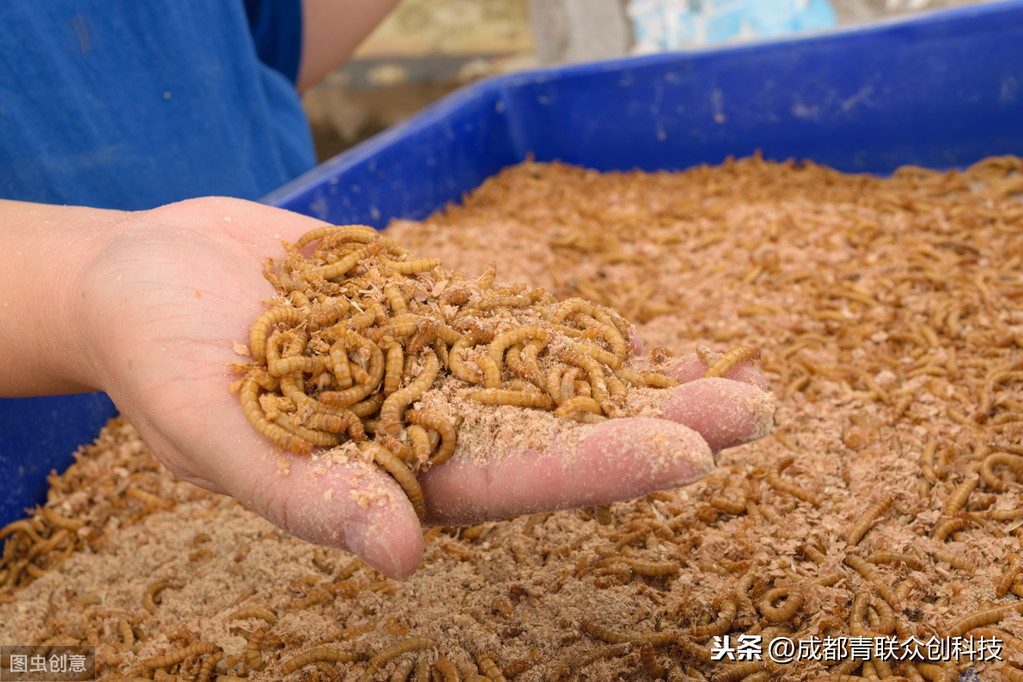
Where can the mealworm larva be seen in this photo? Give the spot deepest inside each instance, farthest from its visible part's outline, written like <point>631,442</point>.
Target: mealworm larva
<point>340,233</point>
<point>720,625</point>
<point>149,598</point>
<point>59,521</point>
<point>574,407</point>
<point>729,360</point>
<point>148,498</point>
<point>652,568</point>
<point>254,611</point>
<point>611,637</point>
<point>775,480</point>
<point>258,332</point>
<point>320,653</point>
<point>734,673</point>
<point>178,655</point>
<point>980,618</point>
<point>402,647</point>
<point>393,365</point>
<point>127,636</point>
<point>440,424</point>
<point>948,527</point>
<point>420,441</point>
<point>706,355</point>
<point>867,571</point>
<point>323,439</point>
<point>208,664</point>
<point>1013,462</point>
<point>502,396</point>
<point>892,557</point>
<point>793,599</point>
<point>501,342</point>
<point>694,650</point>
<point>447,669</point>
<point>1009,577</point>
<point>959,496</point>
<point>954,560</point>
<point>338,358</point>
<point>278,436</point>
<point>412,267</point>
<point>456,362</point>
<point>648,660</point>
<point>400,471</point>
<point>395,404</point>
<point>486,663</point>
<point>403,670</point>
<point>862,525</point>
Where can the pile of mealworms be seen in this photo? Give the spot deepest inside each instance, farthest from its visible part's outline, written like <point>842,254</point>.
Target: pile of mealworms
<point>889,317</point>
<point>363,328</point>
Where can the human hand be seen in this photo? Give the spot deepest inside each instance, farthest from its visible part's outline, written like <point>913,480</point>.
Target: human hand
<point>175,289</point>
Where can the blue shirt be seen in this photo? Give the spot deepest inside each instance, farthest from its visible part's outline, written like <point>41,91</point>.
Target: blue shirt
<point>131,104</point>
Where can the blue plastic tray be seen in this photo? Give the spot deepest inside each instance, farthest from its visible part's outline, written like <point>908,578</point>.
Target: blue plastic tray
<point>943,90</point>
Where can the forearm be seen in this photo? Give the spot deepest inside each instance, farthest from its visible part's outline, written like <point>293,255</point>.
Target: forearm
<point>43,249</point>
<point>332,29</point>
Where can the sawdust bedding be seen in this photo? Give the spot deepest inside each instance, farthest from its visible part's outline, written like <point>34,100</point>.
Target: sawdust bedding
<point>888,501</point>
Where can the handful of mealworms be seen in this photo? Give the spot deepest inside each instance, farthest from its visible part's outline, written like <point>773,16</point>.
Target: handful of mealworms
<point>363,328</point>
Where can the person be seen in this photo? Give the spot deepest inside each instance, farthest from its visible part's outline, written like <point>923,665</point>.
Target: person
<point>121,275</point>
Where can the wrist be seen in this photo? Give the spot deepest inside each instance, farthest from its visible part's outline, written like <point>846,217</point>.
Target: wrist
<point>44,336</point>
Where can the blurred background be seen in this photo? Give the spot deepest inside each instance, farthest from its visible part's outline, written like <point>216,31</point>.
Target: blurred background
<point>427,48</point>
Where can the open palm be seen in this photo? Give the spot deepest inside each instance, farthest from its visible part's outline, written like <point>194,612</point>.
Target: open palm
<point>166,303</point>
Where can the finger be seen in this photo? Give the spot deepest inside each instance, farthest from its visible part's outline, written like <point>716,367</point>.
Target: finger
<point>725,412</point>
<point>690,368</point>
<point>598,464</point>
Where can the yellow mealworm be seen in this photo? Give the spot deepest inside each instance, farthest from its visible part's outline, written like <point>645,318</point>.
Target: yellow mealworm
<point>127,636</point>
<point>394,298</point>
<point>1013,462</point>
<point>501,342</point>
<point>341,233</point>
<point>61,521</point>
<point>958,498</point>
<point>338,357</point>
<point>652,568</point>
<point>393,365</point>
<point>440,424</point>
<point>516,667</point>
<point>320,653</point>
<point>277,435</point>
<point>595,374</point>
<point>597,353</point>
<point>253,611</point>
<point>208,664</point>
<point>402,647</point>
<point>1008,577</point>
<point>456,362</point>
<point>948,527</point>
<point>738,671</point>
<point>420,441</point>
<point>148,498</point>
<point>412,267</point>
<point>720,625</point>
<point>954,560</point>
<point>706,355</point>
<point>730,360</point>
<point>395,404</point>
<point>611,637</point>
<point>793,599</point>
<point>577,405</point>
<point>323,439</point>
<point>178,655</point>
<point>258,333</point>
<point>501,396</point>
<point>491,372</point>
<point>861,526</point>
<point>776,481</point>
<point>867,571</point>
<point>489,668</point>
<point>892,557</point>
<point>648,660</point>
<point>149,598</point>
<point>400,471</point>
<point>980,618</point>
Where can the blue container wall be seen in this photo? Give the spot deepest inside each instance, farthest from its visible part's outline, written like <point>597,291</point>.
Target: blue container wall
<point>940,91</point>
